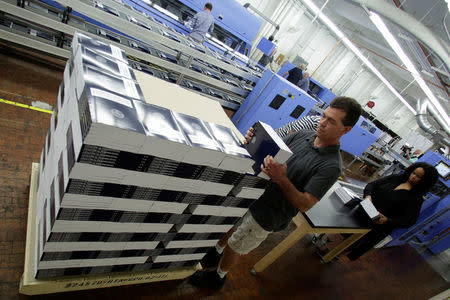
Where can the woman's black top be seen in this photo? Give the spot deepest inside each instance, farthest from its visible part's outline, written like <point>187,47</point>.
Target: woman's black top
<point>401,207</point>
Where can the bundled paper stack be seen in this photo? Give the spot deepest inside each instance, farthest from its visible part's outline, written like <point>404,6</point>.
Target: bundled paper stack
<point>128,186</point>
<point>370,210</point>
<point>346,195</point>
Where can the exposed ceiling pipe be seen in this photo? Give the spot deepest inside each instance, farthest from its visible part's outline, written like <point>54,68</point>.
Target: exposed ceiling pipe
<point>438,119</point>
<point>420,31</point>
<point>423,108</point>
<point>395,64</point>
<point>424,50</point>
<point>277,26</point>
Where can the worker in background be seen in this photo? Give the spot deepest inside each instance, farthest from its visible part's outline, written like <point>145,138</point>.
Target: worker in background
<point>304,82</point>
<point>201,24</point>
<point>295,74</point>
<point>414,156</point>
<point>295,186</point>
<point>268,59</point>
<point>398,198</point>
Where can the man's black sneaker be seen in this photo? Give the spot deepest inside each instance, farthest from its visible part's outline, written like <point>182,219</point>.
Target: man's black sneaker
<point>207,279</point>
<point>211,259</point>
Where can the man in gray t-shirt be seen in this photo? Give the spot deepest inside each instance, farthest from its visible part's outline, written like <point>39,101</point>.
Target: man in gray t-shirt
<point>201,24</point>
<point>310,169</point>
<point>295,187</point>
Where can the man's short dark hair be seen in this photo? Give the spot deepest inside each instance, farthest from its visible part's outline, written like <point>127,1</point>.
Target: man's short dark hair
<point>208,6</point>
<point>271,38</point>
<point>351,107</point>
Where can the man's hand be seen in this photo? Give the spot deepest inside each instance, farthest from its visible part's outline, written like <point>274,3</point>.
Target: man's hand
<point>276,171</point>
<point>249,135</point>
<point>381,220</point>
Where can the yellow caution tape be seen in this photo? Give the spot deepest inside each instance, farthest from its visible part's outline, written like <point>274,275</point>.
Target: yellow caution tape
<point>25,106</point>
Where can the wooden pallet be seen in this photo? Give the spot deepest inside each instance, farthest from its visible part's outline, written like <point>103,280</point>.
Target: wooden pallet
<point>32,286</point>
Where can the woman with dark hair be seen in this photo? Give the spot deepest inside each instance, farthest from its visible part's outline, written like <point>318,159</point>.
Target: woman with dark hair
<point>398,198</point>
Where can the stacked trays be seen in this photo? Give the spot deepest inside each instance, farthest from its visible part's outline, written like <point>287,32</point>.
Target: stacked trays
<point>128,186</point>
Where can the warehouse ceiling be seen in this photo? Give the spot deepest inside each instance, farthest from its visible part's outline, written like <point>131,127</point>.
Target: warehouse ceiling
<point>353,20</point>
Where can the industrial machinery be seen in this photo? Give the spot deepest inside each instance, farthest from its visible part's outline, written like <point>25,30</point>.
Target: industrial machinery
<point>266,46</point>
<point>235,27</point>
<point>150,44</point>
<point>431,230</point>
<point>274,101</point>
<point>316,90</point>
<point>359,139</point>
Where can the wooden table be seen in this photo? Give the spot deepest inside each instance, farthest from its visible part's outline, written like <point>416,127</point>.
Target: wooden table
<point>329,215</point>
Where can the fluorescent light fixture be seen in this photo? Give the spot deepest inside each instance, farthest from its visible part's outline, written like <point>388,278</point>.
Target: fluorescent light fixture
<point>356,51</point>
<point>166,12</point>
<point>376,19</point>
<point>377,73</point>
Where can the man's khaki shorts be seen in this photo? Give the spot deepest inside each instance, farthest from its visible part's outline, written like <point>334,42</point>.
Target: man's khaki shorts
<point>247,236</point>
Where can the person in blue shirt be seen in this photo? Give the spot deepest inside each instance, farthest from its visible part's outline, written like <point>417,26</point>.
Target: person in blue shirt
<point>304,82</point>
<point>201,24</point>
<point>295,74</point>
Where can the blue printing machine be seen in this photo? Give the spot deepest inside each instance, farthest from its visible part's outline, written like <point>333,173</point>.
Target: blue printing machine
<point>274,101</point>
<point>363,134</point>
<point>236,20</point>
<point>431,228</point>
<point>359,139</point>
<point>241,25</point>
<point>316,89</point>
<point>265,46</point>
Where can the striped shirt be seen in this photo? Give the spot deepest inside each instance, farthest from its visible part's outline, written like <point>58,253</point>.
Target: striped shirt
<point>308,122</point>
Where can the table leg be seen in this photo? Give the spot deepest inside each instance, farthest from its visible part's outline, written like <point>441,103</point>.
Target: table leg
<point>341,247</point>
<point>282,247</point>
<point>348,166</point>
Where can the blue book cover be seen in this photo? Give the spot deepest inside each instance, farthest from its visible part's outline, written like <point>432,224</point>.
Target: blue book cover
<point>265,142</point>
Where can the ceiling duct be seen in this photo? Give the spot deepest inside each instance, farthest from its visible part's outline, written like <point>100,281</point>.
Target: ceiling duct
<point>420,31</point>
<point>425,108</point>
